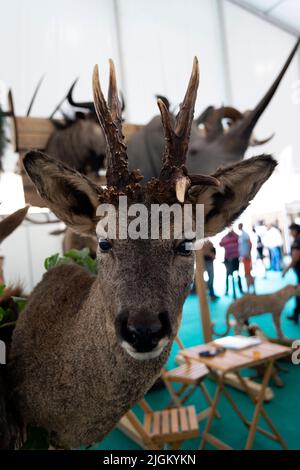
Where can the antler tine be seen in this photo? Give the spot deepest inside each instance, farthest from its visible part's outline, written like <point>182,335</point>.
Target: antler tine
<point>109,116</point>
<point>185,116</point>
<point>166,122</point>
<point>113,99</point>
<point>177,134</point>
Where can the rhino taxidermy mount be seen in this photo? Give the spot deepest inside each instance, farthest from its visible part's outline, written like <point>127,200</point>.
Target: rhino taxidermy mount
<point>206,153</point>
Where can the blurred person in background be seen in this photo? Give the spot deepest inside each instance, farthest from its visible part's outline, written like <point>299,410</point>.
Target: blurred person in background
<point>230,243</point>
<point>274,242</point>
<point>260,265</point>
<point>209,253</point>
<point>295,264</point>
<point>245,246</point>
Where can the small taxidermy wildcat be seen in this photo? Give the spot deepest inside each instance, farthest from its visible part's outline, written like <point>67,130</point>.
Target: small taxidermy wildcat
<point>252,304</point>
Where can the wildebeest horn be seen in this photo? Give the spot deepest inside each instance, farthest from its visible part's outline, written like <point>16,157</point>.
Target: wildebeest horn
<point>109,115</point>
<point>82,104</point>
<point>58,106</point>
<point>237,139</point>
<point>36,90</point>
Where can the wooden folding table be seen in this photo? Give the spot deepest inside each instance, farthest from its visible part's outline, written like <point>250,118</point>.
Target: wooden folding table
<point>233,361</point>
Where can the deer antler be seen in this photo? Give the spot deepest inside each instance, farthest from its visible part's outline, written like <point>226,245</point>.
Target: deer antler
<point>177,134</point>
<point>109,115</point>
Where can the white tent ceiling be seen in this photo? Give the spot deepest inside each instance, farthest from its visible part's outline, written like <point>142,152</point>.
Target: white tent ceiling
<point>286,12</point>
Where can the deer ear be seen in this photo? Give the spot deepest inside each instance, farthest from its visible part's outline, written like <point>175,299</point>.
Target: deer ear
<point>71,196</point>
<point>239,183</point>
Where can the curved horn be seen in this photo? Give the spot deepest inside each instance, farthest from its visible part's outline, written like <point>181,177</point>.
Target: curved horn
<point>214,126</point>
<point>122,99</point>
<point>254,142</point>
<point>165,100</point>
<point>202,118</point>
<point>34,95</point>
<point>229,112</point>
<point>237,139</point>
<point>57,107</point>
<point>84,104</point>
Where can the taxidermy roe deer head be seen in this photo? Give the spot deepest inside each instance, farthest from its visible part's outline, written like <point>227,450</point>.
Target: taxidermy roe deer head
<point>87,348</point>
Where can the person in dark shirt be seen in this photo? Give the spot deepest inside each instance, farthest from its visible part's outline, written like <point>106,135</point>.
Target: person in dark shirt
<point>295,264</point>
<point>209,253</point>
<point>230,243</point>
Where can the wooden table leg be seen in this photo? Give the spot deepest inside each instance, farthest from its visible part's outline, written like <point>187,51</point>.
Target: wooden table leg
<point>274,430</point>
<point>208,398</point>
<point>276,434</point>
<point>258,407</point>
<point>220,382</point>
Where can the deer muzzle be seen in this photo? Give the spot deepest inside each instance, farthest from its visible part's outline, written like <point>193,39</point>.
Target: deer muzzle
<point>142,334</point>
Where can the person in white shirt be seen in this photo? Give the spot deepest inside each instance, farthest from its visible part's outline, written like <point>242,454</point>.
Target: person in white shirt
<point>274,242</point>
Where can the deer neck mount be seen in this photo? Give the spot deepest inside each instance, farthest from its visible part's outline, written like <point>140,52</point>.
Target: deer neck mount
<point>87,348</point>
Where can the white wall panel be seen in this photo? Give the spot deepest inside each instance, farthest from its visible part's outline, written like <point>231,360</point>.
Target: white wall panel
<point>61,38</point>
<point>25,251</point>
<point>158,40</point>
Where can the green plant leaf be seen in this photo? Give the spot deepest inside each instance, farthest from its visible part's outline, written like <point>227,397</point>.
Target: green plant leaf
<point>21,302</point>
<point>81,257</point>
<point>55,260</point>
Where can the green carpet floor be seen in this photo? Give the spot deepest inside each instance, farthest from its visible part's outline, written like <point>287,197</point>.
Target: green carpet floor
<point>284,409</point>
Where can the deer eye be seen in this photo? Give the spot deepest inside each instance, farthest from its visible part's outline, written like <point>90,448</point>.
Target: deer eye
<point>105,245</point>
<point>184,248</point>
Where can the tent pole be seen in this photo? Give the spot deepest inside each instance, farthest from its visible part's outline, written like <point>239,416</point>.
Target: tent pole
<point>201,292</point>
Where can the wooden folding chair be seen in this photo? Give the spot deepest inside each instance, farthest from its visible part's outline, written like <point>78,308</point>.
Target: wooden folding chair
<point>169,427</point>
<point>191,376</point>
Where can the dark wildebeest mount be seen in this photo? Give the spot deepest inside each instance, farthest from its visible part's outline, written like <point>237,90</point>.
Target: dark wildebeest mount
<point>209,149</point>
<point>78,141</point>
<point>87,348</point>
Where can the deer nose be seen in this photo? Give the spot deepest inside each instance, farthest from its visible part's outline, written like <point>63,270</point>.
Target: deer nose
<point>142,332</point>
